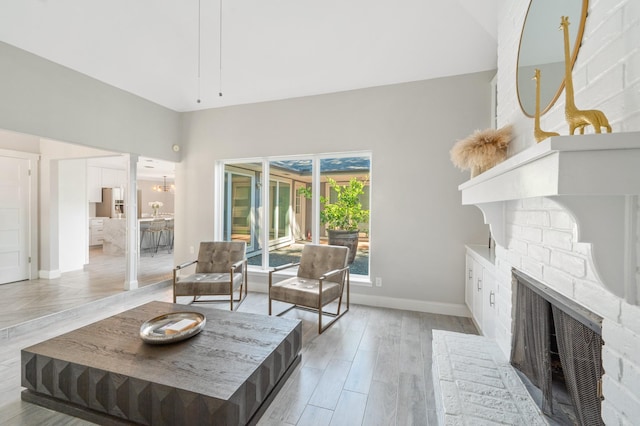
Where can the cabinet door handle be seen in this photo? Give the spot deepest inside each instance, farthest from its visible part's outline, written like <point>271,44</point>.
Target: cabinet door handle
<point>479,284</point>
<point>492,298</point>
<point>470,273</point>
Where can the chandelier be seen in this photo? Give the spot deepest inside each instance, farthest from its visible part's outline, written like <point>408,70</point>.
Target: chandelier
<point>164,187</point>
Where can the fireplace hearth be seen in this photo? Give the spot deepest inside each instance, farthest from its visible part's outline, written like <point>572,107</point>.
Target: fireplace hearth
<point>557,345</point>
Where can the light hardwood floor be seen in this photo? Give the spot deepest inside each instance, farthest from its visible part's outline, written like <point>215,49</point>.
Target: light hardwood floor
<point>103,276</point>
<point>372,367</point>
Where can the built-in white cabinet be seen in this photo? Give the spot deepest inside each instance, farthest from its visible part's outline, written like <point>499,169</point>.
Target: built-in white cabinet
<point>469,287</point>
<point>488,303</point>
<point>103,177</point>
<point>480,288</point>
<point>96,231</point>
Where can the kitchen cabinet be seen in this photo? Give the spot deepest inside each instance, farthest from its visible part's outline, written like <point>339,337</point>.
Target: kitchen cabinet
<point>113,178</point>
<point>115,237</point>
<point>103,177</point>
<point>480,288</point>
<point>96,231</point>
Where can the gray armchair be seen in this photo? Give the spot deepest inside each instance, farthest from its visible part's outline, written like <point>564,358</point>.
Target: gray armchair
<point>323,275</point>
<point>221,269</point>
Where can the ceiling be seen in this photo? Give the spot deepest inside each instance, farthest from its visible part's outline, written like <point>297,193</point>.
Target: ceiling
<point>152,169</point>
<point>147,168</point>
<point>173,52</point>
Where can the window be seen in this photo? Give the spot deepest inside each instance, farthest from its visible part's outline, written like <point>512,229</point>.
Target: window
<point>240,194</point>
<point>275,235</point>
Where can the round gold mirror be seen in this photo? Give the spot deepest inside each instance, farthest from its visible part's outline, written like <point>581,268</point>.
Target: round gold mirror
<point>542,47</point>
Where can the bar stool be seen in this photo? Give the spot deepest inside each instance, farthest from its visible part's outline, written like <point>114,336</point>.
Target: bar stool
<point>169,230</point>
<point>157,228</point>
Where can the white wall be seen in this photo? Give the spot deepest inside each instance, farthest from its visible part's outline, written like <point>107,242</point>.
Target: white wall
<point>542,237</point>
<point>418,226</point>
<point>19,142</point>
<point>73,214</point>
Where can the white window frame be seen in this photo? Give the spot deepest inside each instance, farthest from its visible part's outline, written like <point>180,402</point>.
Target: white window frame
<point>262,213</point>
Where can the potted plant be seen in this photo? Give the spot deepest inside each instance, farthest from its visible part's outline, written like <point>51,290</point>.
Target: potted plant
<point>343,217</point>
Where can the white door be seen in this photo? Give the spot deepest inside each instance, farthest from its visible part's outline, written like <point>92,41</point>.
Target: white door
<point>14,219</point>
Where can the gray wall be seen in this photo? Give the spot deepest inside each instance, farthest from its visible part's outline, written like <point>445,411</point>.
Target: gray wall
<point>40,99</point>
<point>418,226</point>
<point>45,99</point>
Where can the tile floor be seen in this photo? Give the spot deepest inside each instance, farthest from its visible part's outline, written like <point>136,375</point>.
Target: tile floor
<point>373,367</point>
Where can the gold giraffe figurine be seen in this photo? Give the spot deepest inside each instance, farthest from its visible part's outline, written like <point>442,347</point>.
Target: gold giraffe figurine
<point>577,118</point>
<point>538,133</point>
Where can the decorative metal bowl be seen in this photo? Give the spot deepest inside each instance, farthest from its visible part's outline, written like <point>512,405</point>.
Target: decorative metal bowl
<point>173,327</point>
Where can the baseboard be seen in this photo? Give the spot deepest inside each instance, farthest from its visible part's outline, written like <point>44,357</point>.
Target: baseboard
<point>49,275</point>
<point>454,309</point>
<point>457,310</point>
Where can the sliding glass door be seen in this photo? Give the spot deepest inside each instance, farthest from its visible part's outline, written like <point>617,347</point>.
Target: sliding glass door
<point>240,204</point>
<point>278,221</point>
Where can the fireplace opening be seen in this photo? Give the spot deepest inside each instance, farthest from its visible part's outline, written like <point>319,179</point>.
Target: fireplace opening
<point>562,408</point>
<point>557,349</point>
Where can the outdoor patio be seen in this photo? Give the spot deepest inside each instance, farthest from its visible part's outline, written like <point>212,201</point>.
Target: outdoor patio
<point>291,254</point>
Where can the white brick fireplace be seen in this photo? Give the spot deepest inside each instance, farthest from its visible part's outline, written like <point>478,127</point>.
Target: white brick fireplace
<point>547,239</point>
<point>566,213</point>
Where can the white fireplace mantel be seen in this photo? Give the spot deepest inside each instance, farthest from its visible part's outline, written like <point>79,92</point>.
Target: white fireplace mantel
<point>596,177</point>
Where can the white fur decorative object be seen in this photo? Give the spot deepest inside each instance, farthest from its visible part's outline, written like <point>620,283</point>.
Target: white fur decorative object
<point>481,150</point>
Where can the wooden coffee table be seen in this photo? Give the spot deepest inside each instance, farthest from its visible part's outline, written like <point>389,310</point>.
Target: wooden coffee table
<point>105,373</point>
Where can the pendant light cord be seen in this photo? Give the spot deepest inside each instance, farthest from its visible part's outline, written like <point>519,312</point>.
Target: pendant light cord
<point>199,49</point>
<point>220,51</point>
<point>199,37</point>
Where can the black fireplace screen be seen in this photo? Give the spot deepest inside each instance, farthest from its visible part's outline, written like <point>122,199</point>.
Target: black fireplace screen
<point>580,351</point>
<point>530,351</point>
<point>579,347</point>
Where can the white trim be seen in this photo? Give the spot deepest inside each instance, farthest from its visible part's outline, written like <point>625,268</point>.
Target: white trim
<point>258,283</point>
<point>218,202</point>
<point>263,231</point>
<point>19,154</point>
<point>131,285</point>
<point>454,309</point>
<point>315,200</point>
<point>49,275</point>
<point>262,214</point>
<point>132,231</point>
